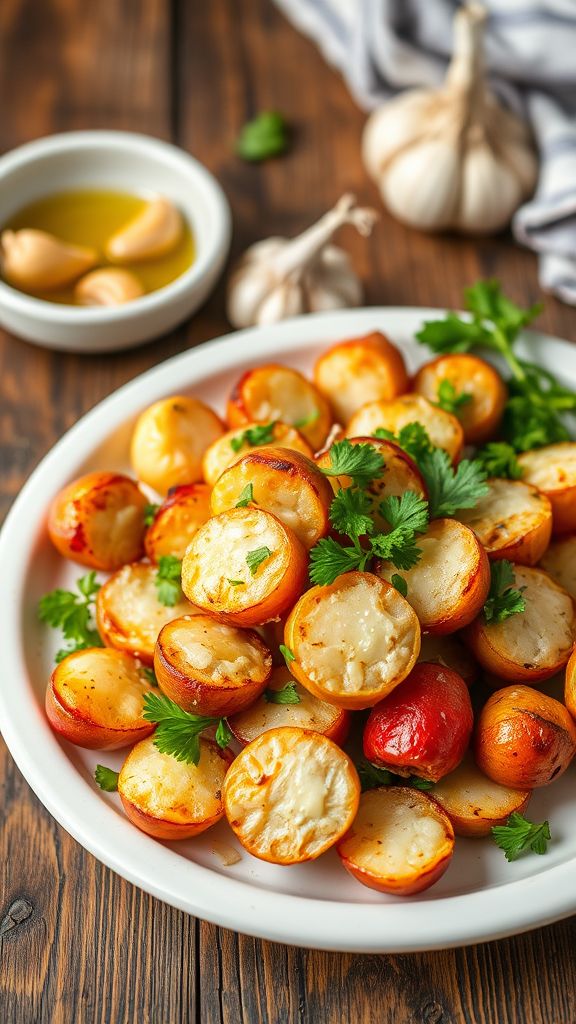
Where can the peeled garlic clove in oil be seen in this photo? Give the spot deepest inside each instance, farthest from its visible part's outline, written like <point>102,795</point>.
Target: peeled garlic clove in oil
<point>38,261</point>
<point>108,286</point>
<point>153,233</point>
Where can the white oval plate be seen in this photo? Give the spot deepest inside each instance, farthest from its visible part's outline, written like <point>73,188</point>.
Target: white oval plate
<point>318,904</point>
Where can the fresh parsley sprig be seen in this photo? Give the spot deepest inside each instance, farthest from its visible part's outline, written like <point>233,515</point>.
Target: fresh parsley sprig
<point>451,489</point>
<point>106,778</point>
<point>412,438</point>
<point>168,580</point>
<point>498,458</point>
<point>503,598</point>
<point>73,613</point>
<point>286,695</point>
<point>519,835</point>
<point>362,462</point>
<point>261,434</point>
<point>178,731</point>
<point>448,398</point>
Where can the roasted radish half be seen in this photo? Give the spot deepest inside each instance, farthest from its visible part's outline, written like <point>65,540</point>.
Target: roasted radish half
<point>95,699</point>
<point>450,652</point>
<point>399,474</point>
<point>244,567</point>
<point>170,799</point>
<point>290,795</point>
<point>423,727</point>
<point>553,471</point>
<point>286,702</point>
<point>98,520</point>
<point>285,483</point>
<point>474,803</point>
<point>210,668</point>
<point>274,392</point>
<point>169,440</point>
<point>177,520</point>
<point>358,371</point>
<point>524,738</point>
<point>352,641</point>
<point>570,685</point>
<point>513,521</point>
<point>128,613</point>
<point>443,428</point>
<point>469,378</point>
<point>449,585</point>
<point>559,561</point>
<point>401,841</point>
<point>531,645</point>
<point>226,450</point>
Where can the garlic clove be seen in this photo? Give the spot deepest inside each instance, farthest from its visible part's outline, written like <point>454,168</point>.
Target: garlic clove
<point>393,126</point>
<point>38,261</point>
<point>427,201</point>
<point>153,233</point>
<point>108,286</point>
<point>246,293</point>
<point>333,285</point>
<point>490,190</point>
<point>285,300</point>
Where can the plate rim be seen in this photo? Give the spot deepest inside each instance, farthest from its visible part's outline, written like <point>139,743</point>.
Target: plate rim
<point>395,927</point>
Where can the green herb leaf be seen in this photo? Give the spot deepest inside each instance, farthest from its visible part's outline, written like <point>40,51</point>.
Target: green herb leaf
<point>407,516</point>
<point>73,614</point>
<point>307,421</point>
<point>399,583</point>
<point>329,559</point>
<point>236,583</point>
<point>106,778</point>
<point>263,137</point>
<point>246,496</point>
<point>398,546</point>
<point>178,731</point>
<point>412,438</point>
<point>451,489</point>
<point>529,422</point>
<point>503,599</point>
<point>256,436</point>
<point>223,735</point>
<point>150,511</point>
<point>168,580</point>
<point>350,512</point>
<point>449,399</point>
<point>371,777</point>
<point>410,511</point>
<point>287,695</point>
<point>519,835</point>
<point>362,462</point>
<point>255,558</point>
<point>287,654</point>
<point>150,675</point>
<point>499,459</point>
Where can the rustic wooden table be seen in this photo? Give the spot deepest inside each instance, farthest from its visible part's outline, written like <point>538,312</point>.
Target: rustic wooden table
<point>78,944</point>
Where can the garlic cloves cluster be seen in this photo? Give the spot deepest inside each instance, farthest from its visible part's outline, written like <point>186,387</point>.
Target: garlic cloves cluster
<point>452,157</point>
<point>279,278</point>
<point>38,261</point>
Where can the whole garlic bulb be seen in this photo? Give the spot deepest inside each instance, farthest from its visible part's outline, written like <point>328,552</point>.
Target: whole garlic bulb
<point>452,157</point>
<point>278,278</point>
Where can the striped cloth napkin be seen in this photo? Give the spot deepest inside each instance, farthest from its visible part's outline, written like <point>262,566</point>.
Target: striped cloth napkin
<point>382,46</point>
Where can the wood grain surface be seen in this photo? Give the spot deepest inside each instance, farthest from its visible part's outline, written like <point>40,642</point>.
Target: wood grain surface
<point>77,944</point>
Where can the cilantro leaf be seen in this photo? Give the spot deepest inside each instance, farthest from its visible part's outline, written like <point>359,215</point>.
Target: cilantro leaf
<point>329,559</point>
<point>399,584</point>
<point>287,695</point>
<point>412,438</point>
<point>363,462</point>
<point>503,599</point>
<point>150,511</point>
<point>449,399</point>
<point>486,301</point>
<point>73,614</point>
<point>245,497</point>
<point>451,489</point>
<point>178,731</point>
<point>106,778</point>
<point>410,510</point>
<point>287,654</point>
<point>498,458</point>
<point>519,835</point>
<point>255,558</point>
<point>398,547</point>
<point>453,334</point>
<point>262,433</point>
<point>168,580</point>
<point>407,515</point>
<point>263,137</point>
<point>223,734</point>
<point>350,512</point>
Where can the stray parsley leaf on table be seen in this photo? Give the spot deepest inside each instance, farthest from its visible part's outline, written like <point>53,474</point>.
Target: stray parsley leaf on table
<point>168,580</point>
<point>106,778</point>
<point>286,695</point>
<point>73,614</point>
<point>503,598</point>
<point>263,137</point>
<point>254,436</point>
<point>178,731</point>
<point>519,835</point>
<point>448,398</point>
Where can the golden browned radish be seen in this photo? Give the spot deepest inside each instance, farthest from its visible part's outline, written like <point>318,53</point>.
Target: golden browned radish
<point>169,441</point>
<point>98,520</point>
<point>531,645</point>
<point>129,614</point>
<point>443,428</point>
<point>353,641</point>
<point>553,471</point>
<point>450,652</point>
<point>559,561</point>
<point>210,668</point>
<point>362,370</point>
<point>285,483</point>
<point>400,472</point>
<point>524,738</point>
<point>177,520</point>
<point>473,378</point>
<point>513,521</point>
<point>401,841</point>
<point>244,567</point>
<point>449,585</point>
<point>308,713</point>
<point>290,795</point>
<point>274,392</point>
<point>226,450</point>
<point>474,803</point>
<point>171,799</point>
<point>95,699</point>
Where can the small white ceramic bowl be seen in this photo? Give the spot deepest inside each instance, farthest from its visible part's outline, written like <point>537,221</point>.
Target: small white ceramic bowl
<point>124,161</point>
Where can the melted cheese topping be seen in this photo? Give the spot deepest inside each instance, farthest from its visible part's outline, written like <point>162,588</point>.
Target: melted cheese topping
<point>290,795</point>
<point>544,634</point>
<point>130,600</point>
<point>355,639</point>
<point>443,428</point>
<point>560,561</point>
<point>224,655</point>
<point>552,468</point>
<point>105,685</point>
<point>165,788</point>
<point>509,511</point>
<point>310,713</point>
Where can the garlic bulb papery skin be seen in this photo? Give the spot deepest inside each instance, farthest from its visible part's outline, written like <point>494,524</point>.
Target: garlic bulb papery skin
<point>452,157</point>
<point>280,277</point>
